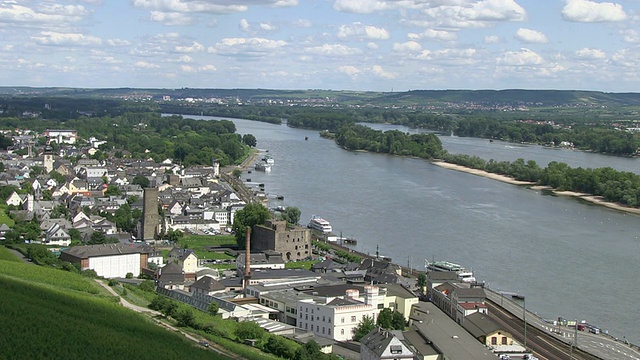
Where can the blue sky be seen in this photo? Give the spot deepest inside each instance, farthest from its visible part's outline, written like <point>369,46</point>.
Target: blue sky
<point>377,45</point>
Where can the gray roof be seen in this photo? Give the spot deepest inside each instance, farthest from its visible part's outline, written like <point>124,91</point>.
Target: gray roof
<point>83,252</point>
<point>479,324</point>
<point>379,339</point>
<point>208,283</point>
<point>449,338</point>
<point>436,276</point>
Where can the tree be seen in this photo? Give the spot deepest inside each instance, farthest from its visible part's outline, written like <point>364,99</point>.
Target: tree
<point>113,190</point>
<point>5,142</point>
<point>391,320</point>
<point>249,330</point>
<point>74,234</point>
<point>141,180</point>
<point>186,318</point>
<point>249,139</point>
<point>363,328</point>
<point>236,173</point>
<point>47,195</point>
<point>213,308</point>
<point>252,214</point>
<point>280,346</point>
<point>422,281</point>
<point>292,215</point>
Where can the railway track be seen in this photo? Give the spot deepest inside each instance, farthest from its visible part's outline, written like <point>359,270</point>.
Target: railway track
<point>543,345</point>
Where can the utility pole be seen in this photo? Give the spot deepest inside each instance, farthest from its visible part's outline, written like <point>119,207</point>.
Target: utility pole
<point>574,343</point>
<point>524,317</point>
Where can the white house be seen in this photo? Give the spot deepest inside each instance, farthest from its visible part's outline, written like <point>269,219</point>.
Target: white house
<point>14,199</point>
<point>337,318</point>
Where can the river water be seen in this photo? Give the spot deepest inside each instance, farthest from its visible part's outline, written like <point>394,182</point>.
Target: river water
<point>568,257</point>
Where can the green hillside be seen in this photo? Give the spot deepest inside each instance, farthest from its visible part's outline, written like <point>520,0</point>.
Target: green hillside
<point>52,314</point>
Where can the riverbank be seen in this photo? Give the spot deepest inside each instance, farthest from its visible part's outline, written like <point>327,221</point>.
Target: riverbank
<point>597,200</point>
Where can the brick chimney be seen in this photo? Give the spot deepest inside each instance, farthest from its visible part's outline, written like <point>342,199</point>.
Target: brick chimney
<point>247,259</point>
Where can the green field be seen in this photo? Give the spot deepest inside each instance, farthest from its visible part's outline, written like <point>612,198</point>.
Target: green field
<point>4,218</point>
<point>199,244</point>
<point>5,254</point>
<point>48,313</point>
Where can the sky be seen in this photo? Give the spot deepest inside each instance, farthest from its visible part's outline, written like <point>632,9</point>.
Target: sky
<point>361,45</point>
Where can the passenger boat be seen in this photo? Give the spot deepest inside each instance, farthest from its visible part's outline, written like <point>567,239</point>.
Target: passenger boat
<point>463,274</point>
<point>320,224</point>
<point>268,159</point>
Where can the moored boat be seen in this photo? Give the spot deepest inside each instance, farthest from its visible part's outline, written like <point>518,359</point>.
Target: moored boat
<point>463,274</point>
<point>320,224</point>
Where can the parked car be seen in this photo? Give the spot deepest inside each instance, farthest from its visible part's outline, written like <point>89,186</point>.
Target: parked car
<point>203,343</point>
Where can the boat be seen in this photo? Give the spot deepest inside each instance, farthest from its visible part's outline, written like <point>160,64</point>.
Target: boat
<point>320,224</point>
<point>512,294</point>
<point>463,274</point>
<point>261,166</point>
<point>268,159</point>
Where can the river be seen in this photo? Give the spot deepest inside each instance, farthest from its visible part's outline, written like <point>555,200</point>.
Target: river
<point>568,257</point>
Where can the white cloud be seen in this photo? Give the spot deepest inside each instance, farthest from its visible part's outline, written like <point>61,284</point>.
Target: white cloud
<point>359,30</point>
<point>145,65</point>
<point>531,36</point>
<point>334,50</point>
<point>524,57</point>
<point>46,15</point>
<point>407,47</point>
<point>441,35</point>
<point>189,6</point>
<point>590,11</point>
<point>65,39</point>
<point>372,46</point>
<point>118,42</point>
<point>588,53</point>
<point>268,27</point>
<point>207,68</point>
<point>362,6</point>
<point>378,71</point>
<point>472,15</point>
<point>302,23</point>
<point>247,46</point>
<point>491,39</point>
<point>195,47</point>
<point>244,25</point>
<point>349,70</point>
<point>630,36</point>
<point>171,18</point>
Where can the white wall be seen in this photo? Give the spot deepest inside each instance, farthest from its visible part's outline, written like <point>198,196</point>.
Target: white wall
<point>116,265</point>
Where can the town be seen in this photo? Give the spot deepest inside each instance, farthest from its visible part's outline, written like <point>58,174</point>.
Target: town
<point>350,304</point>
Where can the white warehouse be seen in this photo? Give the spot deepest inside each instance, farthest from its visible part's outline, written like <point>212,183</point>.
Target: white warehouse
<point>108,260</point>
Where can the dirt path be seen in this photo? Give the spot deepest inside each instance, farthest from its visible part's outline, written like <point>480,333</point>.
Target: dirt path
<point>153,314</point>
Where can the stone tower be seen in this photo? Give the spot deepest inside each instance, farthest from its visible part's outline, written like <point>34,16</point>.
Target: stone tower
<point>48,159</point>
<point>150,218</point>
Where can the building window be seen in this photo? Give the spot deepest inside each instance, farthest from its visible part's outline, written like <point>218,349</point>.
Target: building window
<point>317,328</point>
<point>504,340</point>
<point>353,319</point>
<point>306,316</point>
<point>329,320</point>
<point>342,320</point>
<point>324,319</point>
<point>494,340</point>
<point>323,329</point>
<point>329,331</point>
<point>341,331</point>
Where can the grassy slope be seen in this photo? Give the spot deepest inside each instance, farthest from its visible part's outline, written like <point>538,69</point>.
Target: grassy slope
<point>53,314</point>
<point>4,218</point>
<point>5,254</point>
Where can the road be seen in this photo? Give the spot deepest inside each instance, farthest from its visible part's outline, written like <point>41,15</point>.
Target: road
<point>154,314</point>
<point>600,346</point>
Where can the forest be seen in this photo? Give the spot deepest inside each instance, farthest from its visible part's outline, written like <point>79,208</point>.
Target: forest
<point>142,135</point>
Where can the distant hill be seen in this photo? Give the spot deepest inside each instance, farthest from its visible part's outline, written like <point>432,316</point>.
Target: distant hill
<point>415,97</point>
